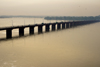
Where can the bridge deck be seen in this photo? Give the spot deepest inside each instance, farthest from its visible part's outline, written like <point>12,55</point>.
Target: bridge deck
<point>15,27</point>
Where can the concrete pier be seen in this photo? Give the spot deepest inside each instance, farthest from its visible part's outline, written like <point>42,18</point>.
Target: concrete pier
<point>9,33</point>
<point>31,30</point>
<point>67,25</point>
<point>75,24</point>
<point>58,26</point>
<point>21,31</point>
<point>53,27</point>
<point>47,27</point>
<point>78,23</point>
<point>63,25</point>
<point>71,24</point>
<point>40,28</point>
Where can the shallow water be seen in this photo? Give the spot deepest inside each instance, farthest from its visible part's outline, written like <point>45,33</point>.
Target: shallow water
<point>73,47</point>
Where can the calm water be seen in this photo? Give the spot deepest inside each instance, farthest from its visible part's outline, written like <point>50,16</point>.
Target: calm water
<point>74,47</point>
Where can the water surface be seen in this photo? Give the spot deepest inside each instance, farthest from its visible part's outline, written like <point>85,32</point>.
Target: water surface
<point>74,47</point>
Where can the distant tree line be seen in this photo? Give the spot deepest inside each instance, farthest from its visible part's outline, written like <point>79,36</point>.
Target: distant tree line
<point>73,18</point>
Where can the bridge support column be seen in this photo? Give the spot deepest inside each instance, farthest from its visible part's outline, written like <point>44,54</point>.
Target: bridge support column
<point>71,24</point>
<point>80,23</point>
<point>58,26</point>
<point>21,31</point>
<point>53,27</point>
<point>47,27</point>
<point>63,25</point>
<point>75,23</point>
<point>67,25</point>
<point>9,33</point>
<point>40,28</point>
<point>31,30</point>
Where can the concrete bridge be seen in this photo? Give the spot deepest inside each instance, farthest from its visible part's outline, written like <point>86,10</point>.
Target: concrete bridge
<point>47,27</point>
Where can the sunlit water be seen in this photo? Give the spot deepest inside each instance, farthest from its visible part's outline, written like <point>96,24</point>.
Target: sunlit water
<point>74,47</point>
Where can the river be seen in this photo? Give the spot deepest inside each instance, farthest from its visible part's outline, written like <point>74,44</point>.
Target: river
<point>73,47</point>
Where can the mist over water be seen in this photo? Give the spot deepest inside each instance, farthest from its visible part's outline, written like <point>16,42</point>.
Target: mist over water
<point>73,47</point>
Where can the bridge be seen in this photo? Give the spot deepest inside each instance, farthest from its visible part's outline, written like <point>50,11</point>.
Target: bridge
<point>47,27</point>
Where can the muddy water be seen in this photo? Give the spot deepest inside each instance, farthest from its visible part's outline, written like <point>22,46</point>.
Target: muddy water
<point>74,47</point>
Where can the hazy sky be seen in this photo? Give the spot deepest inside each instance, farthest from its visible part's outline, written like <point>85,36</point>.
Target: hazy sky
<point>50,7</point>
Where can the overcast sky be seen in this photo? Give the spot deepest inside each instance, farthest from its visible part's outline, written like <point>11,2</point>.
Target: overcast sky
<point>50,7</point>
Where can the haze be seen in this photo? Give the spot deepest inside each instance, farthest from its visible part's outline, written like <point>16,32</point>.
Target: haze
<point>50,7</point>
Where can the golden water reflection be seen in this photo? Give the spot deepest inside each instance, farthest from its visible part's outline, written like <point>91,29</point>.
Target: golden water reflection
<point>74,47</point>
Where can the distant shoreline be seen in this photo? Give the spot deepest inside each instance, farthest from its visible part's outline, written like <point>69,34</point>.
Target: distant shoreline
<point>21,16</point>
<point>58,17</point>
<point>74,18</point>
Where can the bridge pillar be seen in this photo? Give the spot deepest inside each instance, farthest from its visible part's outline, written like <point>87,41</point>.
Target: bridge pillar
<point>53,27</point>
<point>67,25</point>
<point>9,33</point>
<point>40,28</point>
<point>78,23</point>
<point>31,30</point>
<point>63,25</point>
<point>21,31</point>
<point>71,24</point>
<point>47,27</point>
<point>74,24</point>
<point>58,26</point>
<point>81,23</point>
